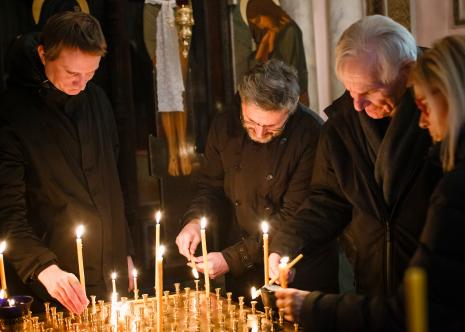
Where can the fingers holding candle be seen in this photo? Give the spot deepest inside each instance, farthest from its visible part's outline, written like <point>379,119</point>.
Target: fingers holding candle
<point>217,265</point>
<point>289,267</point>
<point>189,238</point>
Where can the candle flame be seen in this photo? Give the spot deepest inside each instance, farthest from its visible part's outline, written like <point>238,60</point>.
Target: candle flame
<point>113,276</point>
<point>158,216</point>
<point>2,247</point>
<point>254,293</point>
<point>134,273</point>
<point>283,262</point>
<point>79,231</point>
<point>2,294</point>
<point>195,273</point>
<point>203,222</point>
<point>265,227</point>
<point>161,251</point>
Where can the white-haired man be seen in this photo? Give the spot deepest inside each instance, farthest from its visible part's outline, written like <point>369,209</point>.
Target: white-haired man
<point>371,179</point>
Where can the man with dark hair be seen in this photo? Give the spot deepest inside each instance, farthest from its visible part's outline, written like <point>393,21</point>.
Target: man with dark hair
<point>58,167</point>
<point>258,163</point>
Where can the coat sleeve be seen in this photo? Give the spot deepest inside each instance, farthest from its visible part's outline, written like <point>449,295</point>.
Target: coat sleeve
<point>243,255</point>
<point>324,213</point>
<point>25,251</point>
<point>352,312</point>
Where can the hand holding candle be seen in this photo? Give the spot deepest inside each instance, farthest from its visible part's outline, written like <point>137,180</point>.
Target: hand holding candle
<point>289,266</point>
<point>2,266</point>
<point>266,265</point>
<point>82,278</point>
<point>203,225</point>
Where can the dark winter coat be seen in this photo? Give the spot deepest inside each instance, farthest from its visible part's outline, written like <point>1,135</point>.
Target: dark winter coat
<point>257,182</point>
<point>441,253</point>
<point>58,157</point>
<point>373,179</point>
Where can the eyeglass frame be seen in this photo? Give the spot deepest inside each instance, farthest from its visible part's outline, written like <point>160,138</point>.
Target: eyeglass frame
<point>265,127</point>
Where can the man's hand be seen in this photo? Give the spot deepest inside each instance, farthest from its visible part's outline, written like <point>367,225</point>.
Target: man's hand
<point>188,239</point>
<point>290,300</point>
<point>64,287</point>
<point>217,265</point>
<point>130,276</point>
<point>274,260</point>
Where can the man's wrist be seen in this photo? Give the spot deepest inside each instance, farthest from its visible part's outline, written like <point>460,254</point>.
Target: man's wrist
<point>35,275</point>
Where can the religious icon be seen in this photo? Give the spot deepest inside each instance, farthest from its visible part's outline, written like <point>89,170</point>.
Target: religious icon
<point>167,32</point>
<point>276,36</point>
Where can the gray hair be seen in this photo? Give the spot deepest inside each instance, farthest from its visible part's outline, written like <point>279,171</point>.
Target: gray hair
<point>380,37</point>
<point>443,67</point>
<point>271,85</point>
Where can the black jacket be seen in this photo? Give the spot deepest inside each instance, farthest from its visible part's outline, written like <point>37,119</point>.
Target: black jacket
<point>256,181</point>
<point>371,178</point>
<point>58,156</point>
<point>441,253</point>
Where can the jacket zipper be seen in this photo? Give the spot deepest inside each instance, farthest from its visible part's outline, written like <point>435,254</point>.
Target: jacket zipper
<point>388,256</point>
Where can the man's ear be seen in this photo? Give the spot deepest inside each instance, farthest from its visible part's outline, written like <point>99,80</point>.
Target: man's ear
<point>406,68</point>
<point>405,71</point>
<point>41,51</point>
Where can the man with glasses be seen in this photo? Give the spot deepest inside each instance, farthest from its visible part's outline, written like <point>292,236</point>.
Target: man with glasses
<point>258,165</point>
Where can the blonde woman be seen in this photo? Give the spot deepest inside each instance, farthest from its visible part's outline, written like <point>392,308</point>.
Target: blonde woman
<point>439,85</point>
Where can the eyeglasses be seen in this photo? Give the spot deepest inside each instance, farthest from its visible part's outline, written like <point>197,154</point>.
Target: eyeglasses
<point>250,124</point>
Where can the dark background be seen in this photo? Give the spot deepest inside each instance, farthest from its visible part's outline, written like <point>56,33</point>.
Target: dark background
<point>126,74</point>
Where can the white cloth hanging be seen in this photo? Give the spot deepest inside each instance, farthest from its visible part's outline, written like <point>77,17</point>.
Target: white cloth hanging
<point>170,85</point>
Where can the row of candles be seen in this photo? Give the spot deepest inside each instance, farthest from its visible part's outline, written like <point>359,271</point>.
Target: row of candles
<point>159,251</point>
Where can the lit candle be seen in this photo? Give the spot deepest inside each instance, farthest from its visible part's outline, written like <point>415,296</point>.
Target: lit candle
<point>283,270</point>
<point>254,293</point>
<point>203,224</point>
<point>195,273</point>
<point>2,266</point>
<point>82,278</point>
<point>265,251</point>
<point>196,277</point>
<point>159,288</point>
<point>113,282</point>
<point>136,290</point>
<point>157,240</point>
<point>415,299</point>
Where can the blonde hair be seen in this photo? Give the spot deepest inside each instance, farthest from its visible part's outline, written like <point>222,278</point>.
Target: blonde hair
<point>378,37</point>
<point>443,67</point>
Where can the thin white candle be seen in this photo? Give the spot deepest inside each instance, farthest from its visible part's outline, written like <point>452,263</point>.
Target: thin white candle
<point>203,225</point>
<point>82,278</point>
<point>157,240</point>
<point>266,266</point>
<point>136,290</point>
<point>113,282</point>
<point>2,266</point>
<point>159,289</point>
